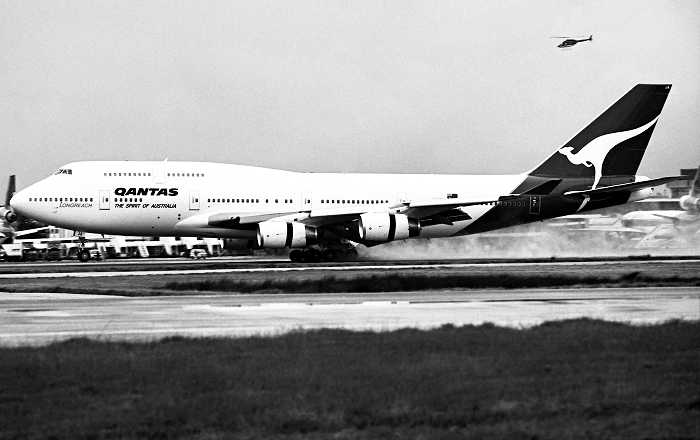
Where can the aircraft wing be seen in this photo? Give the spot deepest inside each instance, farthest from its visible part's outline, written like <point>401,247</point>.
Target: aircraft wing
<point>632,186</point>
<point>237,220</point>
<point>420,209</point>
<point>23,232</point>
<point>679,217</point>
<point>435,211</point>
<point>429,211</point>
<point>621,229</point>
<point>232,220</point>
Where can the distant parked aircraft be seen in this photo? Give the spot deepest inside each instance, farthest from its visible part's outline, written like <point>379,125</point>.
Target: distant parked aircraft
<point>12,225</point>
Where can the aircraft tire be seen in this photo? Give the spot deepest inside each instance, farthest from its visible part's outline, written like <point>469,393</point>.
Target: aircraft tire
<point>296,256</point>
<point>346,255</point>
<point>84,255</point>
<point>312,256</point>
<point>329,255</point>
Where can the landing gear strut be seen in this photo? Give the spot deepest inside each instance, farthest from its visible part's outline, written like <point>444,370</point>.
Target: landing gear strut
<point>313,255</point>
<point>83,254</point>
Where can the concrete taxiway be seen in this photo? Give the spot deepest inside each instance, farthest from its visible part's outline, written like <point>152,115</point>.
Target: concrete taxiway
<point>40,318</point>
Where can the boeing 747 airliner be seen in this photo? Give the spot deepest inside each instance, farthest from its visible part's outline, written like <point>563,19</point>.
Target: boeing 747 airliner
<point>324,215</point>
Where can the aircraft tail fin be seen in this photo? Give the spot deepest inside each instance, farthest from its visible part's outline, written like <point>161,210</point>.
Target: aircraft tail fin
<point>614,143</point>
<point>10,191</point>
<point>695,185</point>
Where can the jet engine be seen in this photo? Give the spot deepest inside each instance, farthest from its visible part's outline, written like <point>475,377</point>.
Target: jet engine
<point>387,227</point>
<point>8,214</point>
<point>272,234</point>
<point>690,203</point>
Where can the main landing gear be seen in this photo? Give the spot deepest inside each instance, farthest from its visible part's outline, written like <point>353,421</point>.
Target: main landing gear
<point>313,255</point>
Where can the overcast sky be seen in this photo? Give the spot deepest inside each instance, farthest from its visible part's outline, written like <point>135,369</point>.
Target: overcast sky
<point>396,86</point>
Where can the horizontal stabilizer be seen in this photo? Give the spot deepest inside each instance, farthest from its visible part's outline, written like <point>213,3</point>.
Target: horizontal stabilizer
<point>632,186</point>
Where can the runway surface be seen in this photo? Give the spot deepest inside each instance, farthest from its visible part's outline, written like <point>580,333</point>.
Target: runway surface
<point>41,318</point>
<point>145,267</point>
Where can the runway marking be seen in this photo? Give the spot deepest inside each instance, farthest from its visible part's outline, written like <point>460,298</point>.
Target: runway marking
<point>329,268</point>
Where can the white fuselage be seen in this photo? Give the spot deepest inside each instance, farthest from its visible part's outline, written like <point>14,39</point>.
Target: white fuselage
<point>167,198</point>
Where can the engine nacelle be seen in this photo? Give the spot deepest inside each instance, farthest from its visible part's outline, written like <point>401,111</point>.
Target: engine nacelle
<point>387,227</point>
<point>690,203</point>
<point>8,214</point>
<point>273,234</point>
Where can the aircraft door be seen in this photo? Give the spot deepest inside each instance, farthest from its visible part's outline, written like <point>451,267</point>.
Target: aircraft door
<point>306,201</point>
<point>535,202</point>
<point>104,199</point>
<point>194,201</point>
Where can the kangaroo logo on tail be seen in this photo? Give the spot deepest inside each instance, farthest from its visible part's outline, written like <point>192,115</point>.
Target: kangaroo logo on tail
<point>593,154</point>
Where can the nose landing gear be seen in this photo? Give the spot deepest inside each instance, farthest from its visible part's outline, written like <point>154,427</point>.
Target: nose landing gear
<point>83,254</point>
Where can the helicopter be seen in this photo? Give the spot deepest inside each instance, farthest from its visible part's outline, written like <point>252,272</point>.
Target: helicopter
<point>569,41</point>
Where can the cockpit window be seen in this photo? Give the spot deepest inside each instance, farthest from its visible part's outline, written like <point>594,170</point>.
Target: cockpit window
<point>64,171</point>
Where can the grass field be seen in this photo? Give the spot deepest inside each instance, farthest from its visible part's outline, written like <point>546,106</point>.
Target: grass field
<point>570,379</point>
<point>390,282</point>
